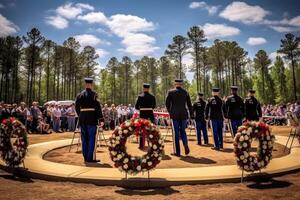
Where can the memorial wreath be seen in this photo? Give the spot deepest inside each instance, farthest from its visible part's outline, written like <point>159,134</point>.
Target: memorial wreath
<point>134,164</point>
<point>13,142</point>
<point>242,145</point>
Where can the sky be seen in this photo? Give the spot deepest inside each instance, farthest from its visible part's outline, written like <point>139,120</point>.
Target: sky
<point>137,28</point>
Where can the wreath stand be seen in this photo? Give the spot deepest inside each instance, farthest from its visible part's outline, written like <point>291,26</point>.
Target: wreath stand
<point>148,178</point>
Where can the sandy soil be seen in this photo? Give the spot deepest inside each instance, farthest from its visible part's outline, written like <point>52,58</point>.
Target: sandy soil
<point>284,187</point>
<point>200,156</point>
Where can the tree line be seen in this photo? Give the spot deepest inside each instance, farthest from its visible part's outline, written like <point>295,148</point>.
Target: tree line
<point>34,68</point>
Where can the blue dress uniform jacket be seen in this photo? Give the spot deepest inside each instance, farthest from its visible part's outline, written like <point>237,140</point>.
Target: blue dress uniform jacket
<point>252,109</point>
<point>214,111</point>
<point>86,100</point>
<point>215,108</point>
<point>145,103</point>
<point>234,107</point>
<point>177,101</point>
<point>199,110</point>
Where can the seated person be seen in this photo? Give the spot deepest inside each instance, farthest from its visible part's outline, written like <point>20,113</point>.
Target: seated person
<point>43,127</point>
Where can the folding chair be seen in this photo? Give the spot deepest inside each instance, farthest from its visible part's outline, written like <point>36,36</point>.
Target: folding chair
<point>77,131</point>
<point>295,129</point>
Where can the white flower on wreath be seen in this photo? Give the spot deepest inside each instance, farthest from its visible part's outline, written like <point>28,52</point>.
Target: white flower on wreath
<point>150,136</point>
<point>120,131</point>
<point>159,141</point>
<point>256,131</point>
<point>246,137</point>
<point>144,170</point>
<point>125,166</point>
<point>154,146</point>
<point>130,129</point>
<point>242,157</point>
<point>119,156</point>
<point>159,158</point>
<point>246,154</point>
<point>156,155</point>
<point>144,161</point>
<point>149,163</point>
<point>125,131</point>
<point>118,138</point>
<point>268,137</point>
<point>139,168</point>
<point>245,161</point>
<point>245,144</point>
<point>126,160</point>
<point>264,146</point>
<point>127,123</point>
<point>241,139</point>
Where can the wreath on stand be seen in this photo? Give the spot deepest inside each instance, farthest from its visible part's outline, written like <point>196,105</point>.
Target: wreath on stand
<point>242,145</point>
<point>133,164</point>
<point>13,142</point>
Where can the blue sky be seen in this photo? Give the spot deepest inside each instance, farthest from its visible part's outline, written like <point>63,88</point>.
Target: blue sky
<point>139,27</point>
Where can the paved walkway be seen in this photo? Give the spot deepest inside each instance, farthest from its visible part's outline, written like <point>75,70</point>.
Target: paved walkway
<point>40,168</point>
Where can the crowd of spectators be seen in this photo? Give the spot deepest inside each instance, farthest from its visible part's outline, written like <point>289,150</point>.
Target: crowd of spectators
<point>61,118</point>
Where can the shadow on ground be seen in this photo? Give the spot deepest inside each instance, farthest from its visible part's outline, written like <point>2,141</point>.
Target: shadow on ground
<point>192,159</point>
<point>147,192</point>
<point>268,183</point>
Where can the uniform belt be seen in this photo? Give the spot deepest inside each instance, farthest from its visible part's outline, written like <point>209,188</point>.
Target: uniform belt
<point>141,109</point>
<point>87,109</point>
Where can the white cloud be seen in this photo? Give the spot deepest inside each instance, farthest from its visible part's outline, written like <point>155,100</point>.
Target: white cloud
<point>57,21</point>
<point>85,6</point>
<point>102,31</point>
<point>70,11</point>
<point>87,40</point>
<point>139,44</point>
<point>203,5</point>
<point>121,24</point>
<point>101,52</point>
<point>94,17</point>
<point>7,27</point>
<point>242,12</point>
<point>213,31</point>
<point>253,41</point>
<point>67,11</point>
<point>285,29</point>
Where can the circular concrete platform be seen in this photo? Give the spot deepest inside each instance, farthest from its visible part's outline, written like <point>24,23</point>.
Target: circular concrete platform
<point>37,167</point>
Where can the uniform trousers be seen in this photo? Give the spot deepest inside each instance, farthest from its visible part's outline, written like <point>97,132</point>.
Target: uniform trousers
<point>88,136</point>
<point>217,128</point>
<point>235,123</point>
<point>201,127</point>
<point>179,130</point>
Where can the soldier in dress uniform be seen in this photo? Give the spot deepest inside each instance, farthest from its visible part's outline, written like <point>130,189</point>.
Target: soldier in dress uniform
<point>235,109</point>
<point>145,103</point>
<point>177,102</point>
<point>90,115</point>
<point>252,107</point>
<point>214,111</point>
<point>199,109</point>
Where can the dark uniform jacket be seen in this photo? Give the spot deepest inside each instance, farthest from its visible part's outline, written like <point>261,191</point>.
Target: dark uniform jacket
<point>215,108</point>
<point>146,100</point>
<point>199,109</point>
<point>87,99</point>
<point>177,102</point>
<point>252,109</point>
<point>234,107</point>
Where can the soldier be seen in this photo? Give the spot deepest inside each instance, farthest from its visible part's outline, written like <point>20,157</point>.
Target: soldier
<point>177,101</point>
<point>145,103</point>
<point>90,114</point>
<point>214,111</point>
<point>234,110</point>
<point>199,109</point>
<point>252,107</point>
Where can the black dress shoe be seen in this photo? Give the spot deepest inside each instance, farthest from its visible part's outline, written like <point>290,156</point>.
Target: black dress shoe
<point>176,154</point>
<point>215,148</point>
<point>187,150</point>
<point>93,161</point>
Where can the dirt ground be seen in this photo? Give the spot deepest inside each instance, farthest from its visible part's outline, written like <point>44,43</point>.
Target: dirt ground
<point>284,187</point>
